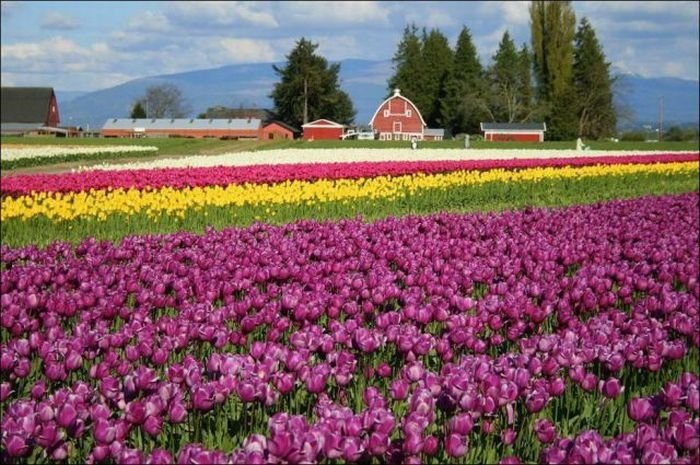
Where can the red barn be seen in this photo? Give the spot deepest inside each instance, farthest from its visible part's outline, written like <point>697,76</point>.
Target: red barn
<point>520,132</point>
<point>29,109</point>
<point>278,130</point>
<point>322,129</point>
<point>397,118</point>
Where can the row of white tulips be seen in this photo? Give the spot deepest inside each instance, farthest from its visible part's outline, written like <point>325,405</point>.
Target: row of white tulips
<point>41,151</point>
<point>291,156</point>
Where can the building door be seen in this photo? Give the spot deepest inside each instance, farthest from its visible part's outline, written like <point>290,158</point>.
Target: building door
<point>397,127</point>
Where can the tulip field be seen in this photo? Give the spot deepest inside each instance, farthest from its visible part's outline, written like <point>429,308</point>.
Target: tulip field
<point>378,310</point>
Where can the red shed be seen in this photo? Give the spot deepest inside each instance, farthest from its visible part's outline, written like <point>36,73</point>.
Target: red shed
<point>322,129</point>
<point>521,132</point>
<point>278,130</point>
<point>397,118</point>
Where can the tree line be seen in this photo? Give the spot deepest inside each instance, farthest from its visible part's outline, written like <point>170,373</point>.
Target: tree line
<point>562,78</point>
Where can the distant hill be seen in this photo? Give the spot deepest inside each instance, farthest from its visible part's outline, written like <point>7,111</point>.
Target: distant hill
<point>249,85</point>
<point>680,100</point>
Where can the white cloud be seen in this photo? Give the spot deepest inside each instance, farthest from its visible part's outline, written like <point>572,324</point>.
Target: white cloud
<point>334,13</point>
<point>515,13</point>
<point>55,20</point>
<point>645,8</point>
<point>247,50</point>
<point>149,21</point>
<point>221,14</point>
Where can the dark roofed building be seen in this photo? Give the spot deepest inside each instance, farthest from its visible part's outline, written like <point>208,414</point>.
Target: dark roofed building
<point>28,109</point>
<point>521,132</point>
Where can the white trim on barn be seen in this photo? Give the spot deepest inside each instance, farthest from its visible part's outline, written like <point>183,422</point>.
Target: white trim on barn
<point>329,124</point>
<point>397,93</point>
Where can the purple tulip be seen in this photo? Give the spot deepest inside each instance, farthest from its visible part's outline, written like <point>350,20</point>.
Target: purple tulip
<point>47,435</point>
<point>15,445</point>
<point>246,392</point>
<point>672,394</point>
<point>545,431</point>
<point>508,436</point>
<point>536,401</point>
<point>640,409</point>
<point>153,426</point>
<point>136,412</point>
<point>159,456</point>
<point>456,445</point>
<point>104,432</point>
<point>610,388</point>
<point>461,424</point>
<point>177,413</point>
<point>687,436</point>
<point>66,415</point>
<point>398,389</point>
<point>39,389</point>
<point>431,445</point>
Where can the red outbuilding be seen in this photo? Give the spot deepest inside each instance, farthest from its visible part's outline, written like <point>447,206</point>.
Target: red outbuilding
<point>520,132</point>
<point>397,118</point>
<point>278,130</point>
<point>322,129</point>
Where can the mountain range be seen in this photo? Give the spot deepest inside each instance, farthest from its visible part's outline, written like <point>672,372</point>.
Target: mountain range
<point>249,85</point>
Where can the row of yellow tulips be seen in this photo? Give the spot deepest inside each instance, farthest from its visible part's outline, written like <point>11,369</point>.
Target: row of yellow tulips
<point>104,202</point>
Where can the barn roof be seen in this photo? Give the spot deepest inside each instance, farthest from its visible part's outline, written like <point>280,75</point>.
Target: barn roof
<point>183,123</point>
<point>323,123</point>
<point>434,132</point>
<point>513,127</point>
<point>25,104</point>
<point>282,124</point>
<point>397,94</point>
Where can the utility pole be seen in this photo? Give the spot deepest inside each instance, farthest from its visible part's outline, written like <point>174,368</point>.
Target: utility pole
<point>306,110</point>
<point>661,118</point>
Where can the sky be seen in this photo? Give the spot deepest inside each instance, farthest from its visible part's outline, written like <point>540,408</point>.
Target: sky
<point>87,46</point>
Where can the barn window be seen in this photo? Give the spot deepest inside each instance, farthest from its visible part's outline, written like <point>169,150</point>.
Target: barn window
<point>408,113</point>
<point>386,112</point>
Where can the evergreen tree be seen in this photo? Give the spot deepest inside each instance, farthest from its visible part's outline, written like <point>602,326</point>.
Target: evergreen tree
<point>437,63</point>
<point>408,67</point>
<point>593,86</point>
<point>309,88</point>
<point>137,111</point>
<point>552,32</point>
<point>504,80</point>
<point>461,109</point>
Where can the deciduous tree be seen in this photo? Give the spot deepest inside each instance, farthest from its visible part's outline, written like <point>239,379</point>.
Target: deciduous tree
<point>164,101</point>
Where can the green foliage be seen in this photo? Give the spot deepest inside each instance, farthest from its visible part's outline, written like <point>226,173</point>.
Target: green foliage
<point>437,61</point>
<point>593,86</point>
<point>408,67</point>
<point>633,136</point>
<point>552,32</point>
<point>676,134</point>
<point>422,71</point>
<point>509,83</point>
<point>309,88</point>
<point>138,111</point>
<point>462,106</point>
